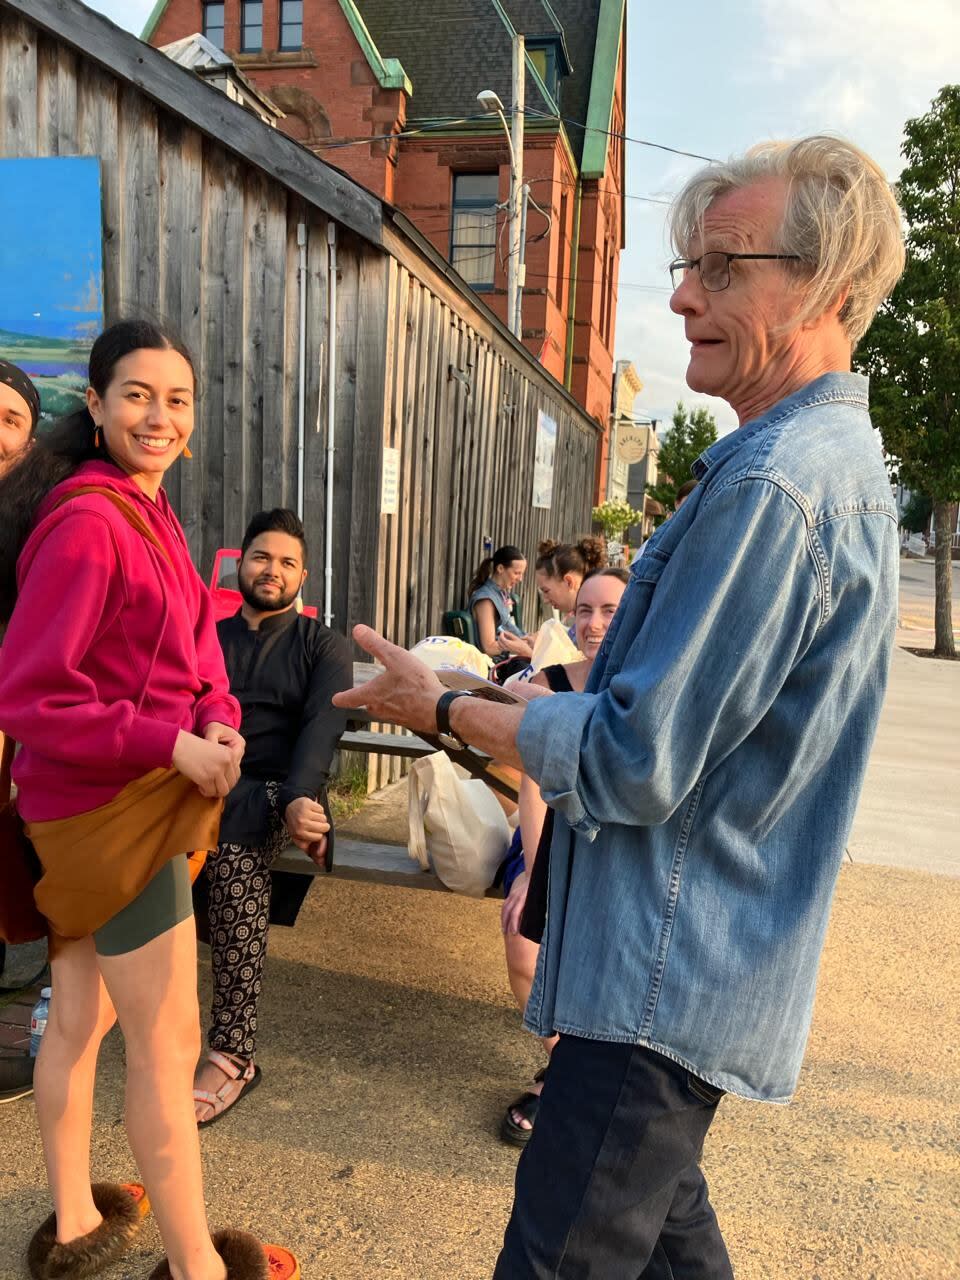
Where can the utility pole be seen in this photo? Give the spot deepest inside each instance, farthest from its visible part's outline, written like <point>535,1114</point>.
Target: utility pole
<point>517,327</point>
<point>514,282</point>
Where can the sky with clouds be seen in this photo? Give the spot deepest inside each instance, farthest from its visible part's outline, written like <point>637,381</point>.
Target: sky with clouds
<point>714,77</point>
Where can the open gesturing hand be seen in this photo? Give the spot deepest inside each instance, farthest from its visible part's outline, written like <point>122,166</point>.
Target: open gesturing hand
<point>407,691</point>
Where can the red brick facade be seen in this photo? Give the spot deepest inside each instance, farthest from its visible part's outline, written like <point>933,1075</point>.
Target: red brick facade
<point>330,93</point>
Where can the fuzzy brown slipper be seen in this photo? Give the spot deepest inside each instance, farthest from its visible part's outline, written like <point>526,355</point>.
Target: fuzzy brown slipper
<point>85,1256</point>
<point>243,1253</point>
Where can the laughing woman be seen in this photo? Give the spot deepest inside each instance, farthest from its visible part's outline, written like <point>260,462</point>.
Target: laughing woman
<point>112,681</point>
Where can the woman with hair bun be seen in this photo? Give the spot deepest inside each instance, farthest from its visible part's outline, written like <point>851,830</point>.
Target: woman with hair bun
<point>561,568</point>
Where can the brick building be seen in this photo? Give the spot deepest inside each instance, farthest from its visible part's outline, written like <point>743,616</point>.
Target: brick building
<point>344,71</point>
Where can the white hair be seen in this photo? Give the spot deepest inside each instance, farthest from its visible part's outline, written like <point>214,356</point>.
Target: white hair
<point>841,219</point>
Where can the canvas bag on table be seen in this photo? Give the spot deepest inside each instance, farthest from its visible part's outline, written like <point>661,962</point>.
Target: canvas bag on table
<point>457,827</point>
<point>20,921</point>
<point>553,648</point>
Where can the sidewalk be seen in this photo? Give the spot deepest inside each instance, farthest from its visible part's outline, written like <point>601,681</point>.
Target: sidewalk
<point>909,812</point>
<point>390,1046</point>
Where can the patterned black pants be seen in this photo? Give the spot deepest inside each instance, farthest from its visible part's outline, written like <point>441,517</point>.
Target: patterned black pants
<point>239,882</point>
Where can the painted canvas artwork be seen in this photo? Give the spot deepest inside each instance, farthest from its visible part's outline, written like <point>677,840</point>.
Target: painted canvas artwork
<point>51,273</point>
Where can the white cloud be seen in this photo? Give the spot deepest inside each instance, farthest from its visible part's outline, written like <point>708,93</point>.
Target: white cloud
<point>861,66</point>
<point>649,334</point>
<point>129,14</point>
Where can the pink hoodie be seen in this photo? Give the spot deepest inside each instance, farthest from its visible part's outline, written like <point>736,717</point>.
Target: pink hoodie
<point>110,652</point>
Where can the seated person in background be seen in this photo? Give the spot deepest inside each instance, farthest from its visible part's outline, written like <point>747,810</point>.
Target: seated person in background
<point>597,602</point>
<point>19,413</point>
<point>284,669</point>
<point>493,604</point>
<point>560,569</point>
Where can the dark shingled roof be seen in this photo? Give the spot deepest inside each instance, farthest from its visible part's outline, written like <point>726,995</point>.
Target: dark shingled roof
<point>451,49</point>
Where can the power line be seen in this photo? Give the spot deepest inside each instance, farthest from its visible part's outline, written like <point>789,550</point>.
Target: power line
<point>548,275</point>
<point>614,133</point>
<point>435,123</point>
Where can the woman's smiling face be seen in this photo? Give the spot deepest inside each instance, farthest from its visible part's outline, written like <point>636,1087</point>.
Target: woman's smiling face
<point>146,413</point>
<point>598,601</point>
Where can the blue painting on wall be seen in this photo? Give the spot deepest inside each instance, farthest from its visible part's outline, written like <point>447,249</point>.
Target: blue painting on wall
<point>51,273</point>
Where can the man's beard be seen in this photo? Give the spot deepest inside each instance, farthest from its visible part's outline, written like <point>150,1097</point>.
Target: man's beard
<point>265,603</point>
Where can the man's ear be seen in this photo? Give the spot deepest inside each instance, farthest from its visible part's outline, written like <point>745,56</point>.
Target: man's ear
<point>833,309</point>
<point>306,575</point>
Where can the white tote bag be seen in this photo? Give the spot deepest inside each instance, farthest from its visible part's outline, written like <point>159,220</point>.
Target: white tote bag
<point>457,828</point>
<point>553,647</point>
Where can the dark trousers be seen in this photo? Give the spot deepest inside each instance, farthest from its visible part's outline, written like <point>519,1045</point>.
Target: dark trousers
<point>610,1186</point>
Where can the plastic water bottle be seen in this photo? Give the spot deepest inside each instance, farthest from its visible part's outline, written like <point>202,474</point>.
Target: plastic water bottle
<point>38,1020</point>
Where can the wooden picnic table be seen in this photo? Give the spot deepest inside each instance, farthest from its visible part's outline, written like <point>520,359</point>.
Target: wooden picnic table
<point>361,738</point>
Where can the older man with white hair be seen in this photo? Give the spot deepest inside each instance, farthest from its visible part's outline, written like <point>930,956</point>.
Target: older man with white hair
<point>704,785</point>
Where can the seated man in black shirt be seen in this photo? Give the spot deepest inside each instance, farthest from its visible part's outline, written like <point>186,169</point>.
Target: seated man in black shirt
<point>284,669</point>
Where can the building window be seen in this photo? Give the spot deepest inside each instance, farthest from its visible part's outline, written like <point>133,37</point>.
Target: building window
<point>213,23</point>
<point>473,243</point>
<point>547,55</point>
<point>291,24</point>
<point>251,26</point>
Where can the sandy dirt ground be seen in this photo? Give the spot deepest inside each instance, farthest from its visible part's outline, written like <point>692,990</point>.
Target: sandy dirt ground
<point>390,1046</point>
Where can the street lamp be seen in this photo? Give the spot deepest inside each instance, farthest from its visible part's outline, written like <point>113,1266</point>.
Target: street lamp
<point>491,104</point>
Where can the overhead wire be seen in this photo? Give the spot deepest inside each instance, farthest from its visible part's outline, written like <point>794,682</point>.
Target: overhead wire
<point>435,123</point>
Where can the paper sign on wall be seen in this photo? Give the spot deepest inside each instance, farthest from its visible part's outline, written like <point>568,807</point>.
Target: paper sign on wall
<point>543,461</point>
<point>390,483</point>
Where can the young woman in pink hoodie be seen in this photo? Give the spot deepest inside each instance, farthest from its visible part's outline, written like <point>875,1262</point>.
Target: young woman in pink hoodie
<point>112,681</point>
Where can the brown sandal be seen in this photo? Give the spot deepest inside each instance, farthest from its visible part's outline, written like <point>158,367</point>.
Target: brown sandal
<point>123,1208</point>
<point>246,1259</point>
<point>242,1076</point>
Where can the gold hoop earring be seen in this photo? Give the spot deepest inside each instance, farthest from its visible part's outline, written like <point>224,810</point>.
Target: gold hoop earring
<point>186,451</point>
<point>96,436</point>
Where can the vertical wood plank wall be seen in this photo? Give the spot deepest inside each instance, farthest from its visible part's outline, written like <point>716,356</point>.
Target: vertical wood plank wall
<point>195,234</point>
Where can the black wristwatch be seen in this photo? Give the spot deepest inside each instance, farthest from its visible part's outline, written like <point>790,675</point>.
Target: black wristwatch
<point>445,733</point>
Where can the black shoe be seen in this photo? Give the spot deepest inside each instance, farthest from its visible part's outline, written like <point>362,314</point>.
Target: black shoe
<point>16,1078</point>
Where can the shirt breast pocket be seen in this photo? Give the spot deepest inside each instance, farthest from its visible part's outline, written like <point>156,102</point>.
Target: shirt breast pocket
<point>650,566</point>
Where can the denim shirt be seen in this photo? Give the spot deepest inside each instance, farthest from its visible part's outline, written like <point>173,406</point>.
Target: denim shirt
<point>706,781</point>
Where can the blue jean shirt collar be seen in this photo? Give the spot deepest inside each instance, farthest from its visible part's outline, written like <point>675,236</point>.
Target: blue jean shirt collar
<point>851,387</point>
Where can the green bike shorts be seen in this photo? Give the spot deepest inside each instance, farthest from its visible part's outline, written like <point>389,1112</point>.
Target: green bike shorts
<point>166,901</point>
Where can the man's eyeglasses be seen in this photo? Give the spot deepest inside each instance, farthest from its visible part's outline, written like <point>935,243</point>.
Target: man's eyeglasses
<point>714,267</point>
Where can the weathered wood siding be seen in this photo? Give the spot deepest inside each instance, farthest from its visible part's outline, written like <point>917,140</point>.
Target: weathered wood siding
<point>199,235</point>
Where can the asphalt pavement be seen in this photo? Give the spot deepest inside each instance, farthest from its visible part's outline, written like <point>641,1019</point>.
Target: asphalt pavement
<point>390,1045</point>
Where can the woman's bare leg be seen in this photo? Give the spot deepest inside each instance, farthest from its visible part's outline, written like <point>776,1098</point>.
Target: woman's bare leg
<point>154,991</point>
<point>81,1014</point>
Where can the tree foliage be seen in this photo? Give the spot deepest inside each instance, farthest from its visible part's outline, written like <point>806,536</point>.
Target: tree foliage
<point>912,350</point>
<point>915,517</point>
<point>682,445</point>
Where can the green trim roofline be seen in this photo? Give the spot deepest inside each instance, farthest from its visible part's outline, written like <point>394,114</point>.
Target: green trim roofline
<point>389,72</point>
<point>538,81</point>
<point>603,84</point>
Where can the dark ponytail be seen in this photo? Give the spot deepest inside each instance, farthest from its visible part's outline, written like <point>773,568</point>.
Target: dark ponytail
<point>502,556</point>
<point>57,451</point>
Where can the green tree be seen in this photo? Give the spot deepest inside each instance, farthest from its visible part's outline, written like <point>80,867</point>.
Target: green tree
<point>912,350</point>
<point>915,517</point>
<point>682,445</point>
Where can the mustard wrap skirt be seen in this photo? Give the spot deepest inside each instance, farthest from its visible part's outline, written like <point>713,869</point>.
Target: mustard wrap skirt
<point>96,863</point>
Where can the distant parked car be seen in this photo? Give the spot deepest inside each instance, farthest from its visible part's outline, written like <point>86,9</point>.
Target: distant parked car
<point>225,586</point>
